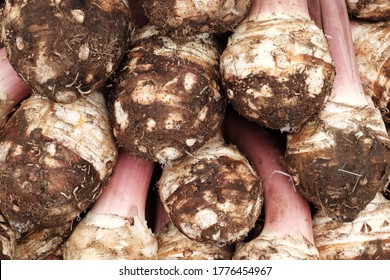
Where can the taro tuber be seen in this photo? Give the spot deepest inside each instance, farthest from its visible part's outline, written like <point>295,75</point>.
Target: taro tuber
<point>7,240</point>
<point>116,227</point>
<point>66,49</point>
<point>214,195</point>
<point>166,100</point>
<point>372,50</point>
<point>341,159</point>
<point>367,237</point>
<point>174,245</point>
<point>193,16</point>
<point>277,69</point>
<point>287,231</point>
<point>42,244</point>
<point>370,10</point>
<point>54,161</point>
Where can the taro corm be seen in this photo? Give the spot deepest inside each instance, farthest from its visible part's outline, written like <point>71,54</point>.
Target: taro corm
<point>65,49</point>
<point>372,49</point>
<point>341,159</point>
<point>7,240</point>
<point>213,195</point>
<point>277,69</point>
<point>193,16</point>
<point>369,10</point>
<point>174,245</point>
<point>166,100</point>
<point>55,159</point>
<point>366,238</point>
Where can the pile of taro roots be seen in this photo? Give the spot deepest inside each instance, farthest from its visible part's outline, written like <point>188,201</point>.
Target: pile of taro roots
<point>148,129</point>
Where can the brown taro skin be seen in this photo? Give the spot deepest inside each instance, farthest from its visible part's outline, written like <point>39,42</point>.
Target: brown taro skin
<point>373,10</point>
<point>214,196</point>
<point>193,16</point>
<point>366,238</point>
<point>65,49</point>
<point>7,240</point>
<point>340,160</point>
<point>166,101</point>
<point>42,244</point>
<point>54,161</point>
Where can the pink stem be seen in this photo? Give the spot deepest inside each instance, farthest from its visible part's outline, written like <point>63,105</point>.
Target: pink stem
<point>126,193</point>
<point>12,89</point>
<point>286,211</point>
<point>264,8</point>
<point>315,12</point>
<point>347,87</point>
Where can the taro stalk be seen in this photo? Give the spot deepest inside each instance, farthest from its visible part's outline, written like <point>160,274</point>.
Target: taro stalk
<point>287,231</point>
<point>116,226</point>
<point>193,16</point>
<point>371,10</point>
<point>340,159</point>
<point>12,88</point>
<point>372,49</point>
<point>65,49</point>
<point>214,195</point>
<point>273,73</point>
<point>54,161</point>
<point>174,245</point>
<point>166,100</point>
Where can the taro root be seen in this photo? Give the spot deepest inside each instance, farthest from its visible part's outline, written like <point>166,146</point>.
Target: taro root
<point>42,244</point>
<point>54,161</point>
<point>174,245</point>
<point>213,195</point>
<point>12,88</point>
<point>277,70</point>
<point>372,10</point>
<point>116,227</point>
<point>66,49</point>
<point>166,100</point>
<point>341,159</point>
<point>367,237</point>
<point>7,240</point>
<point>287,233</point>
<point>372,50</point>
<point>193,16</point>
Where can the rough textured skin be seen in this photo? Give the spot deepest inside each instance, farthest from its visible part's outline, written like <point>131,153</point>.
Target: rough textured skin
<point>366,238</point>
<point>54,161</point>
<point>372,49</point>
<point>193,16</point>
<point>212,196</point>
<point>7,240</point>
<point>277,248</point>
<point>369,9</point>
<point>111,237</point>
<point>166,100</point>
<point>173,245</point>
<point>340,160</point>
<point>42,244</point>
<point>277,81</point>
<point>65,49</point>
